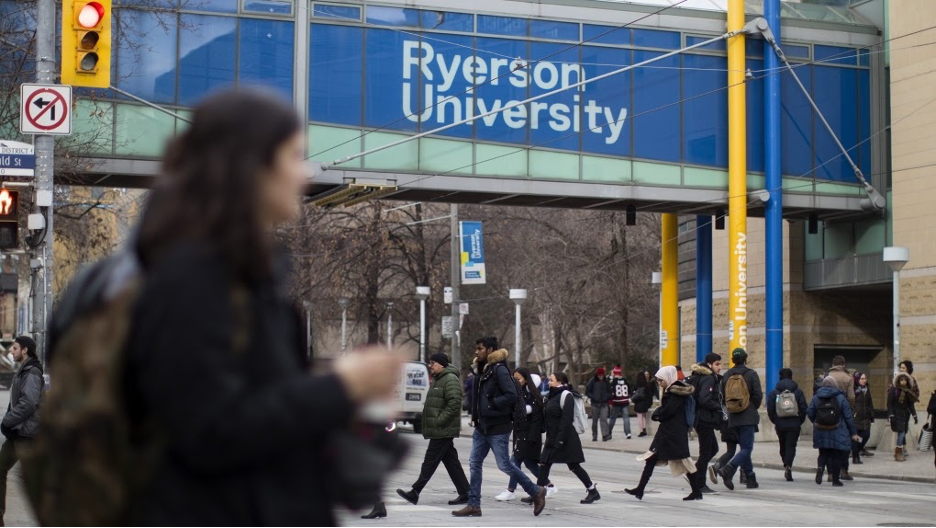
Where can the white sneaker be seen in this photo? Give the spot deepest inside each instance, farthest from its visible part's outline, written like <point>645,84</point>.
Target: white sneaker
<point>628,437</point>
<point>505,495</point>
<point>551,490</point>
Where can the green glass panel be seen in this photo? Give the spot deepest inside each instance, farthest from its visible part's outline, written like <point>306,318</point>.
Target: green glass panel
<point>498,160</point>
<point>756,182</point>
<point>838,240</point>
<point>403,157</point>
<point>327,144</point>
<point>695,177</point>
<point>813,244</point>
<point>606,169</point>
<point>553,165</point>
<point>656,173</point>
<point>870,236</point>
<point>92,128</point>
<point>443,156</point>
<point>142,131</point>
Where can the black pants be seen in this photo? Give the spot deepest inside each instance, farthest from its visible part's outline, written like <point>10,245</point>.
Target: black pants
<point>732,448</point>
<point>442,450</point>
<point>788,439</point>
<point>579,471</point>
<point>648,472</point>
<point>708,448</point>
<point>831,459</point>
<point>9,455</point>
<point>858,446</point>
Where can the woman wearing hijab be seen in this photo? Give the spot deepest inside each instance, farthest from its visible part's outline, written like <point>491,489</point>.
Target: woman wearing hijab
<point>901,400</point>
<point>864,416</point>
<point>671,443</point>
<point>832,440</point>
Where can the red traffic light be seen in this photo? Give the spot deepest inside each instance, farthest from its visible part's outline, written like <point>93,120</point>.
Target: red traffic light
<point>90,15</point>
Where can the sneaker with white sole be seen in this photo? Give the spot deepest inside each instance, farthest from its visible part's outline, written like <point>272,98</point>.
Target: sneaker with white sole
<point>551,490</point>
<point>505,495</point>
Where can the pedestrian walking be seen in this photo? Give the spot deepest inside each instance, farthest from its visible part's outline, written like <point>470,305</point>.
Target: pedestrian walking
<point>563,445</point>
<point>527,435</point>
<point>846,384</point>
<point>21,421</point>
<point>786,409</point>
<point>598,392</point>
<point>643,400</point>
<point>492,412</point>
<point>906,366</point>
<point>931,410</point>
<point>833,428</point>
<point>380,509</point>
<point>671,442</point>
<point>441,425</point>
<point>901,406</point>
<point>743,397</point>
<point>707,392</point>
<point>864,416</point>
<point>620,402</point>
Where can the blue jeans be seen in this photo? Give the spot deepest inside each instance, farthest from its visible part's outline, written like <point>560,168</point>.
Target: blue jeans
<point>746,447</point>
<point>901,439</point>
<point>625,412</point>
<point>499,444</point>
<point>531,464</point>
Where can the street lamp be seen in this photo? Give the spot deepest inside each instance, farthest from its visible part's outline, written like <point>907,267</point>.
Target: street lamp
<point>422,293</point>
<point>517,296</point>
<point>657,279</point>
<point>389,327</point>
<point>896,258</point>
<point>308,309</point>
<point>344,302</point>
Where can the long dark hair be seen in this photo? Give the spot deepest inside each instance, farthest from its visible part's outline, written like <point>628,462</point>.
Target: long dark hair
<point>209,188</point>
<point>534,390</point>
<point>561,377</point>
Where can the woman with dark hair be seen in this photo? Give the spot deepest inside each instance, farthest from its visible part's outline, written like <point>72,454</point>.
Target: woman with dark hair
<point>901,401</point>
<point>864,416</point>
<point>217,372</point>
<point>563,445</point>
<point>643,400</point>
<point>527,436</point>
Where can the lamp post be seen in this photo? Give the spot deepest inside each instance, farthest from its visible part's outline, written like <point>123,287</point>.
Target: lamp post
<point>517,296</point>
<point>389,327</point>
<point>344,302</point>
<point>422,293</point>
<point>896,258</point>
<point>308,309</point>
<point>657,279</point>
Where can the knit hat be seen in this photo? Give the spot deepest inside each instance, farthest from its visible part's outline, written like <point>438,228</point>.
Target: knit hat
<point>616,371</point>
<point>600,371</point>
<point>829,381</point>
<point>440,358</point>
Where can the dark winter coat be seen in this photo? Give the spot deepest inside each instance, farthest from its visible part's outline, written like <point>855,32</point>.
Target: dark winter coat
<point>671,441</point>
<point>708,396</point>
<point>528,437</point>
<point>441,413</point>
<point>245,427</point>
<point>931,409</point>
<point>790,423</point>
<point>563,444</point>
<point>643,395</point>
<point>900,411</point>
<point>494,395</point>
<point>846,382</point>
<point>749,416</point>
<point>22,416</point>
<point>598,391</point>
<point>864,409</point>
<point>839,438</point>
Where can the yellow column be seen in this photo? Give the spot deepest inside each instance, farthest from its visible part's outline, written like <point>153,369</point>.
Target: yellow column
<point>737,181</point>
<point>669,311</point>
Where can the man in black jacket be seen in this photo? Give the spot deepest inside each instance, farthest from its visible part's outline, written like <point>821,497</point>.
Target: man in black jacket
<point>492,411</point>
<point>788,427</point>
<point>704,378</point>
<point>598,391</point>
<point>744,422</point>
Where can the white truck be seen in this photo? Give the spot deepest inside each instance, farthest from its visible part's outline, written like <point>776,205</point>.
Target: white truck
<point>410,394</point>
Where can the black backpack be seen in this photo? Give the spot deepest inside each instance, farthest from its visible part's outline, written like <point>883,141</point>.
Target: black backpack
<point>828,413</point>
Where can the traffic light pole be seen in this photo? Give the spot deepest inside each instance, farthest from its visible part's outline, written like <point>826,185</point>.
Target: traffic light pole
<point>45,152</point>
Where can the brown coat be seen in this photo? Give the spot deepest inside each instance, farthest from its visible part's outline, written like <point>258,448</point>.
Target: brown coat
<point>846,383</point>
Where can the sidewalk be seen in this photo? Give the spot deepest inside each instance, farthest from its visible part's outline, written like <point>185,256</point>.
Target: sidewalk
<point>918,467</point>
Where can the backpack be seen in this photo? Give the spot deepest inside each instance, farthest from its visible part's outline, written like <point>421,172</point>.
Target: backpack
<point>580,419</point>
<point>690,409</point>
<point>828,413</point>
<point>786,405</point>
<point>737,394</point>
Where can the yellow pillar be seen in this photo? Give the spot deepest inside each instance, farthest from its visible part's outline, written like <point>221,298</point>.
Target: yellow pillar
<point>737,181</point>
<point>669,311</point>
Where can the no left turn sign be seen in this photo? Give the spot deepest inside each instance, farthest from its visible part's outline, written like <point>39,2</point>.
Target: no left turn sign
<point>45,109</point>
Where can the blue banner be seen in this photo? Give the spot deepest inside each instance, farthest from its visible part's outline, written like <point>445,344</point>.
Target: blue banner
<point>472,253</point>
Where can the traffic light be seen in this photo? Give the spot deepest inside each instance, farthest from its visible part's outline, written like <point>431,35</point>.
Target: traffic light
<point>9,219</point>
<point>86,43</point>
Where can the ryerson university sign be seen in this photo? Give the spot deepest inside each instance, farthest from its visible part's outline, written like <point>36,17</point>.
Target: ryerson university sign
<point>443,104</point>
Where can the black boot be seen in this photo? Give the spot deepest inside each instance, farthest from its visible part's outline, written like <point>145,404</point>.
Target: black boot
<point>379,512</point>
<point>460,499</point>
<point>411,496</point>
<point>592,495</point>
<point>743,477</point>
<point>819,473</point>
<point>642,485</point>
<point>727,472</point>
<point>696,489</point>
<point>713,472</point>
<point>788,473</point>
<point>857,460</point>
<point>642,434</point>
<point>752,481</point>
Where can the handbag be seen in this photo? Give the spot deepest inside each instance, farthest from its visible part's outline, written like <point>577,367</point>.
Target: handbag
<point>926,438</point>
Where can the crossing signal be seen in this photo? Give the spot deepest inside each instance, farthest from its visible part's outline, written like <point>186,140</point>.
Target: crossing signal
<point>9,219</point>
<point>86,43</point>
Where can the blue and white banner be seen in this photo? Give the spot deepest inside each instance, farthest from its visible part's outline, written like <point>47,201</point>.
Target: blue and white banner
<point>472,253</point>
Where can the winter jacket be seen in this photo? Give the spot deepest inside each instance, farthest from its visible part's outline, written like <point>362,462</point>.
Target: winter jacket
<point>931,410</point>
<point>749,416</point>
<point>22,416</point>
<point>563,445</point>
<point>846,382</point>
<point>441,414</point>
<point>528,436</point>
<point>620,392</point>
<point>643,395</point>
<point>598,391</point>
<point>864,409</point>
<point>245,427</point>
<point>671,441</point>
<point>840,437</point>
<point>494,395</point>
<point>900,407</point>
<point>707,394</point>
<point>790,423</point>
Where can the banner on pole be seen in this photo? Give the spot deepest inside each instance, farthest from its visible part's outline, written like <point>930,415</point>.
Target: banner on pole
<point>472,253</point>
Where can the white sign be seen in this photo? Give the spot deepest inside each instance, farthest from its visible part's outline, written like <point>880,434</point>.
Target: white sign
<point>448,295</point>
<point>17,159</point>
<point>448,330</point>
<point>463,308</point>
<point>45,109</point>
<point>664,341</point>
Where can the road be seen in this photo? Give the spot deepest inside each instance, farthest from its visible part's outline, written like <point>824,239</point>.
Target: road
<point>864,502</point>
